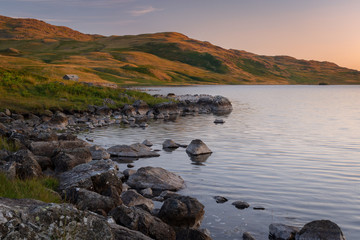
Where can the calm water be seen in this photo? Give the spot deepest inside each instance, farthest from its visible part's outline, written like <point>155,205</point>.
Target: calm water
<point>294,150</point>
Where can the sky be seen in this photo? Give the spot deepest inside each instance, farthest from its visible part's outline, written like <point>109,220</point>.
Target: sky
<point>323,30</point>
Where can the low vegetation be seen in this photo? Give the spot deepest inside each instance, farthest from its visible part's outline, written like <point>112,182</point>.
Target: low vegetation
<point>40,189</point>
<point>8,145</point>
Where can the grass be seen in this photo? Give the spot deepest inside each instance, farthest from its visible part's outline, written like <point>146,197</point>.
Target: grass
<point>39,189</point>
<point>8,145</point>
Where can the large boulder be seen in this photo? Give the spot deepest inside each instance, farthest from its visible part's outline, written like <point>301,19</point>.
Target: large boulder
<point>26,164</point>
<point>31,219</point>
<point>132,198</point>
<point>155,178</point>
<point>100,176</point>
<point>182,211</point>
<point>278,231</point>
<point>92,201</point>
<point>67,159</point>
<point>197,147</point>
<point>320,229</point>
<point>140,220</point>
<point>136,150</point>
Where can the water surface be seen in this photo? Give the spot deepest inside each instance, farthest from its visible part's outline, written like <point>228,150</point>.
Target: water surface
<point>294,150</point>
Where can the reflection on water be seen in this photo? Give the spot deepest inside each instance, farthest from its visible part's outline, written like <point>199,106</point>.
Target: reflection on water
<point>293,150</point>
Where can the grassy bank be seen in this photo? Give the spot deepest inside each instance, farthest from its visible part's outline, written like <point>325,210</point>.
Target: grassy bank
<point>39,189</point>
<point>25,91</point>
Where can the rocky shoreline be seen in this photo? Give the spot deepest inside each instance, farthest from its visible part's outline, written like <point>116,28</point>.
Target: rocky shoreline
<point>104,202</point>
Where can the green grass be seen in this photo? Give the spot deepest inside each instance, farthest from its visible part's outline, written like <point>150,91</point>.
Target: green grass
<point>8,145</point>
<point>27,92</point>
<point>172,52</point>
<point>32,188</point>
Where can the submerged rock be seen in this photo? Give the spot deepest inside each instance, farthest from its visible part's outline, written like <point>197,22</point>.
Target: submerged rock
<point>240,204</point>
<point>278,231</point>
<point>320,229</point>
<point>220,199</point>
<point>147,143</point>
<point>155,178</point>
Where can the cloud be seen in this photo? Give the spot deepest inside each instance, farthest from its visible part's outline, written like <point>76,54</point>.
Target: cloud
<point>144,11</point>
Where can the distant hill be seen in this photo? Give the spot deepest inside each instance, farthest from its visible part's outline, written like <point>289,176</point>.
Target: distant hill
<point>151,59</point>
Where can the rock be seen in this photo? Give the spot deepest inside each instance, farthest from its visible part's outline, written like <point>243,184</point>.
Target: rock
<point>128,172</point>
<point>132,198</point>
<point>240,204</point>
<point>59,120</point>
<point>221,105</point>
<point>103,111</point>
<point>159,116</point>
<point>147,192</point>
<point>3,154</point>
<point>31,219</point>
<point>278,231</point>
<point>168,143</point>
<point>44,148</point>
<point>155,178</point>
<point>192,234</point>
<point>7,112</point>
<point>219,121</point>
<point>44,162</point>
<point>128,110</point>
<point>320,229</point>
<point>141,107</point>
<point>136,150</point>
<point>247,236</point>
<point>71,77</point>
<point>99,153</point>
<point>67,159</point>
<point>82,175</point>
<point>140,220</point>
<point>182,211</point>
<point>258,208</point>
<point>92,201</point>
<point>197,147</point>
<point>8,168</point>
<point>107,184</point>
<point>220,199</point>
<point>130,165</point>
<point>168,108</point>
<point>26,164</point>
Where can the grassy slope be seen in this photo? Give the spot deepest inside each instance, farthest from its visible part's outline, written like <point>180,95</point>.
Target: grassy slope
<point>34,55</point>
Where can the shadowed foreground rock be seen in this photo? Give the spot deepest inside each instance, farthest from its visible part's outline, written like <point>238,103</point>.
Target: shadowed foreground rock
<point>320,229</point>
<point>182,211</point>
<point>31,219</point>
<point>155,178</point>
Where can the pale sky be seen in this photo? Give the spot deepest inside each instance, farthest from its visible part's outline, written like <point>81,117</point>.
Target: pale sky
<point>324,30</point>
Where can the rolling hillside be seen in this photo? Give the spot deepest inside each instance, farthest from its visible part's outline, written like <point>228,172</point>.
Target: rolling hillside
<point>35,47</point>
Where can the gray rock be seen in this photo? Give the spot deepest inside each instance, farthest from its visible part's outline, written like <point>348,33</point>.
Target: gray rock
<point>192,234</point>
<point>44,162</point>
<point>147,192</point>
<point>26,164</point>
<point>59,121</point>
<point>155,178</point>
<point>147,143</point>
<point>8,168</point>
<point>47,148</point>
<point>168,143</point>
<point>247,236</point>
<point>103,111</point>
<point>278,231</point>
<point>132,198</point>
<point>67,159</point>
<point>182,211</point>
<point>31,219</point>
<point>3,154</point>
<point>240,204</point>
<point>82,175</point>
<point>99,153</point>
<point>320,229</point>
<point>197,147</point>
<point>141,107</point>
<point>219,121</point>
<point>71,77</point>
<point>136,150</point>
<point>140,220</point>
<point>128,172</point>
<point>220,199</point>
<point>92,201</point>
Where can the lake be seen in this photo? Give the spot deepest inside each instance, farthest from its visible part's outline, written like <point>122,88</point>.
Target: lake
<point>294,150</point>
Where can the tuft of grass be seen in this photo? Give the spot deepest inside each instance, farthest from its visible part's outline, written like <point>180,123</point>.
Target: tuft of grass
<point>8,145</point>
<point>39,189</point>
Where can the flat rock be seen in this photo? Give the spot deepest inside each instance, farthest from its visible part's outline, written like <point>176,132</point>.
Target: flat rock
<point>197,147</point>
<point>136,150</point>
<point>278,231</point>
<point>99,153</point>
<point>320,229</point>
<point>155,178</point>
<point>219,121</point>
<point>220,199</point>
